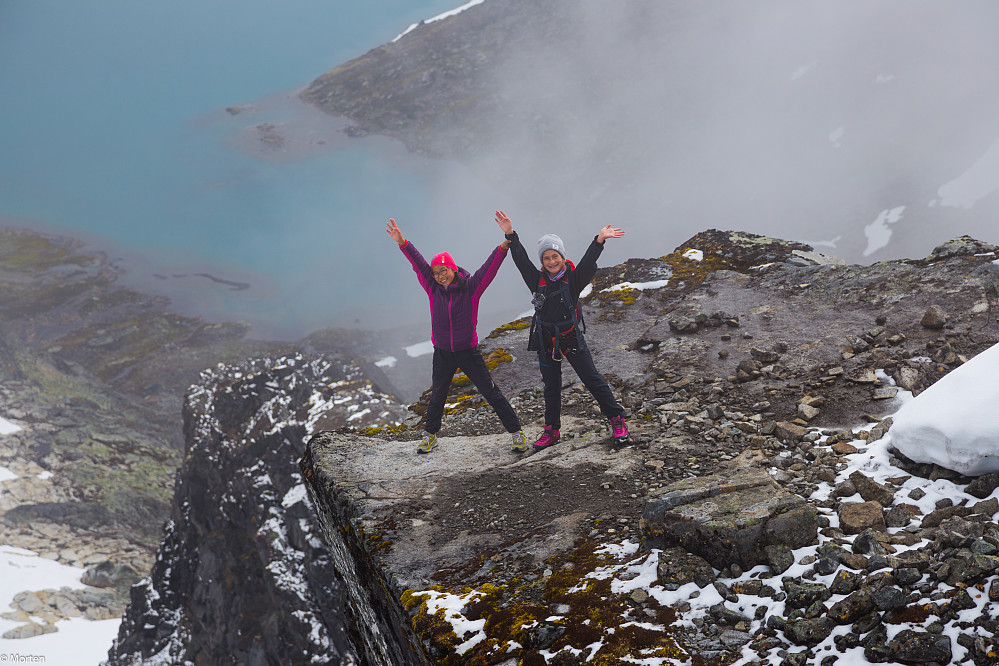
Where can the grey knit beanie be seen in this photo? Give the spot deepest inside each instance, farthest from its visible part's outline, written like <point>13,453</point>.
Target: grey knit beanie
<point>550,242</point>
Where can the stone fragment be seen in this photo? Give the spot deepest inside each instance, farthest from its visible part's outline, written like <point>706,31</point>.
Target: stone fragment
<point>866,543</point>
<point>853,606</point>
<point>907,576</point>
<point>970,570</point>
<point>677,567</point>
<point>919,647</point>
<point>29,602</point>
<point>876,645</point>
<point>845,582</point>
<point>802,594</point>
<point>789,432</point>
<point>779,558</point>
<point>764,357</point>
<point>935,518</point>
<point>855,561</point>
<point>855,517</point>
<point>807,412</point>
<point>844,449</point>
<point>987,507</point>
<point>29,630</point>
<point>901,515</point>
<point>908,378</point>
<point>872,491</point>
<point>885,392</point>
<point>810,632</point>
<point>889,598</point>
<point>934,318</point>
<point>983,486</point>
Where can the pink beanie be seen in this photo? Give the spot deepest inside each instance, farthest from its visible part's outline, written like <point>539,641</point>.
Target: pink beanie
<point>444,259</point>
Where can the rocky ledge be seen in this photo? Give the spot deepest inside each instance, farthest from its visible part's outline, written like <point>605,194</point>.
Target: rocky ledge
<point>759,513</point>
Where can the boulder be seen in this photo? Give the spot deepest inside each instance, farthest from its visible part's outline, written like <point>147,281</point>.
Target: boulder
<point>728,519</point>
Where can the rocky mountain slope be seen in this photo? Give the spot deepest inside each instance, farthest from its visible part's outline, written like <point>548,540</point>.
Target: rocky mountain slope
<point>734,353</point>
<point>94,374</point>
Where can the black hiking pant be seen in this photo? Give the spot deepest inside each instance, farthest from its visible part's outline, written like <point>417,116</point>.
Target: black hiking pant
<point>470,362</point>
<point>582,363</point>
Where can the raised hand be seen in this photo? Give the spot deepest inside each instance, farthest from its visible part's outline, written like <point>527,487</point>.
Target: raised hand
<point>504,222</point>
<point>393,231</point>
<point>609,232</point>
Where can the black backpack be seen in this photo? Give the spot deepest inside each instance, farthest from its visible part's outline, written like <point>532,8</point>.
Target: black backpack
<point>555,335</point>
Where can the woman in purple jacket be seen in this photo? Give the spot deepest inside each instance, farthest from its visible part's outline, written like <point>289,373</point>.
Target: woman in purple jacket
<point>454,309</point>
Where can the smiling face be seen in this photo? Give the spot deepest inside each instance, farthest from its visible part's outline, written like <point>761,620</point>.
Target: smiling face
<point>443,275</point>
<point>553,262</point>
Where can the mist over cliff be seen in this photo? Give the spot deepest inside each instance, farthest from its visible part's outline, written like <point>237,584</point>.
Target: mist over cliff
<point>858,127</point>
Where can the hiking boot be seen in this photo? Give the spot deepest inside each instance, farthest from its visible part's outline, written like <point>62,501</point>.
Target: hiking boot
<point>519,441</point>
<point>548,437</point>
<point>428,444</point>
<point>619,431</point>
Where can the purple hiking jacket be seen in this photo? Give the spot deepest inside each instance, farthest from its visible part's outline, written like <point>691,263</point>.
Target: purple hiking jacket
<point>454,309</point>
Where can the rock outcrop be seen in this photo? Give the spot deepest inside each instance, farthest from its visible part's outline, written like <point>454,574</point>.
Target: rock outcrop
<point>242,575</point>
<point>736,519</point>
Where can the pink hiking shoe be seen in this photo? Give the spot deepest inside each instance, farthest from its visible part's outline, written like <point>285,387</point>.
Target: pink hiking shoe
<point>548,437</point>
<point>619,429</point>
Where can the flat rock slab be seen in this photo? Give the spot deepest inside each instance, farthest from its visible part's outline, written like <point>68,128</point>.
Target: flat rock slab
<point>424,513</point>
<point>730,519</point>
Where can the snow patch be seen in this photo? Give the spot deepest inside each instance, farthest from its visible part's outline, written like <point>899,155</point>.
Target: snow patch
<point>77,641</point>
<point>6,427</point>
<point>387,362</point>
<point>640,286</point>
<point>953,423</point>
<point>439,17</point>
<point>877,232</point>
<point>420,349</point>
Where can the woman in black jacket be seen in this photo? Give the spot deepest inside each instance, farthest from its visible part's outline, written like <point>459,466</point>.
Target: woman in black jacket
<point>557,326</point>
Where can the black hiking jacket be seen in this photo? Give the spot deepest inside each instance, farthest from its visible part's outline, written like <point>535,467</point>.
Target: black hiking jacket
<point>555,309</point>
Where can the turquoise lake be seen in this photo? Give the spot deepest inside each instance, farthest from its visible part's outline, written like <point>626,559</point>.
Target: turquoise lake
<point>116,132</point>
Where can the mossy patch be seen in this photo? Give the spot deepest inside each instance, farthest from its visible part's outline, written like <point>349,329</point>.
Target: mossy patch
<point>516,325</point>
<point>575,610</point>
<point>371,431</point>
<point>493,359</point>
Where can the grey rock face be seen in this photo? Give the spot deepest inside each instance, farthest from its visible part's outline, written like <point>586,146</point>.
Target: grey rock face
<point>242,549</point>
<point>728,520</point>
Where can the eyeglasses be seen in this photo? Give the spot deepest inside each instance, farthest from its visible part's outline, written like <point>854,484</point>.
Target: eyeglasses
<point>440,272</point>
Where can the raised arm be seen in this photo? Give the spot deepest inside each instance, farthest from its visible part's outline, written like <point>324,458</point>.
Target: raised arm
<point>608,232</point>
<point>393,231</point>
<point>416,260</point>
<point>477,283</point>
<point>528,271</point>
<point>587,266</point>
